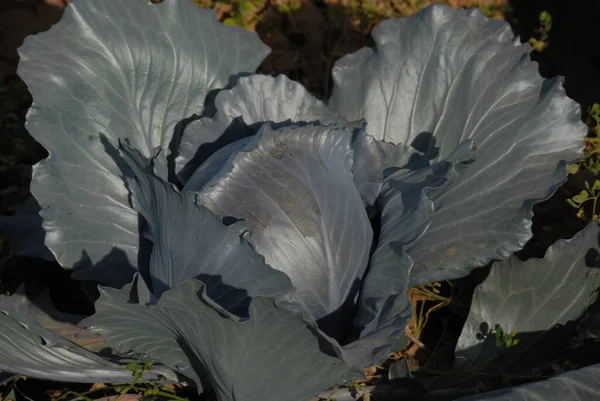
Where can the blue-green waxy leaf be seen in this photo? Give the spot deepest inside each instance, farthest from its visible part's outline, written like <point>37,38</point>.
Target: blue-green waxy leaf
<point>190,242</point>
<point>295,188</point>
<point>29,349</point>
<point>406,214</point>
<point>431,73</point>
<point>383,308</point>
<point>372,159</point>
<point>446,76</point>
<point>240,111</point>
<point>529,298</point>
<point>212,166</point>
<point>577,385</point>
<point>114,70</point>
<point>128,323</point>
<point>239,359</point>
<point>388,320</point>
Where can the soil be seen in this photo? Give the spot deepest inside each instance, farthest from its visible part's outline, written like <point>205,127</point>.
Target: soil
<point>306,42</point>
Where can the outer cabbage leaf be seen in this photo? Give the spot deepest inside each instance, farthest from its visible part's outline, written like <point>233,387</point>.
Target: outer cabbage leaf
<point>294,186</point>
<point>432,73</point>
<point>577,385</point>
<point>29,349</point>
<point>134,72</point>
<point>189,332</point>
<point>190,242</point>
<point>530,298</point>
<point>240,111</point>
<point>445,76</point>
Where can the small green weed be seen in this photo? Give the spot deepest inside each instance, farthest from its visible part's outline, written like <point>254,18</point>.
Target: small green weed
<point>248,13</point>
<point>592,141</point>
<point>541,43</point>
<point>591,193</point>
<point>505,340</point>
<point>588,197</point>
<point>148,390</point>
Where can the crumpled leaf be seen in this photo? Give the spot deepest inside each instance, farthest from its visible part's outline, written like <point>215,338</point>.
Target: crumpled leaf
<point>190,242</point>
<point>240,112</point>
<point>135,73</point>
<point>295,188</point>
<point>29,349</point>
<point>192,334</point>
<point>445,76</point>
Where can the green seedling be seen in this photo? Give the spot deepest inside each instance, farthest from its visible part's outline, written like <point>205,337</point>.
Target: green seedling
<point>148,390</point>
<point>505,340</point>
<point>539,45</point>
<point>591,193</point>
<point>592,142</point>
